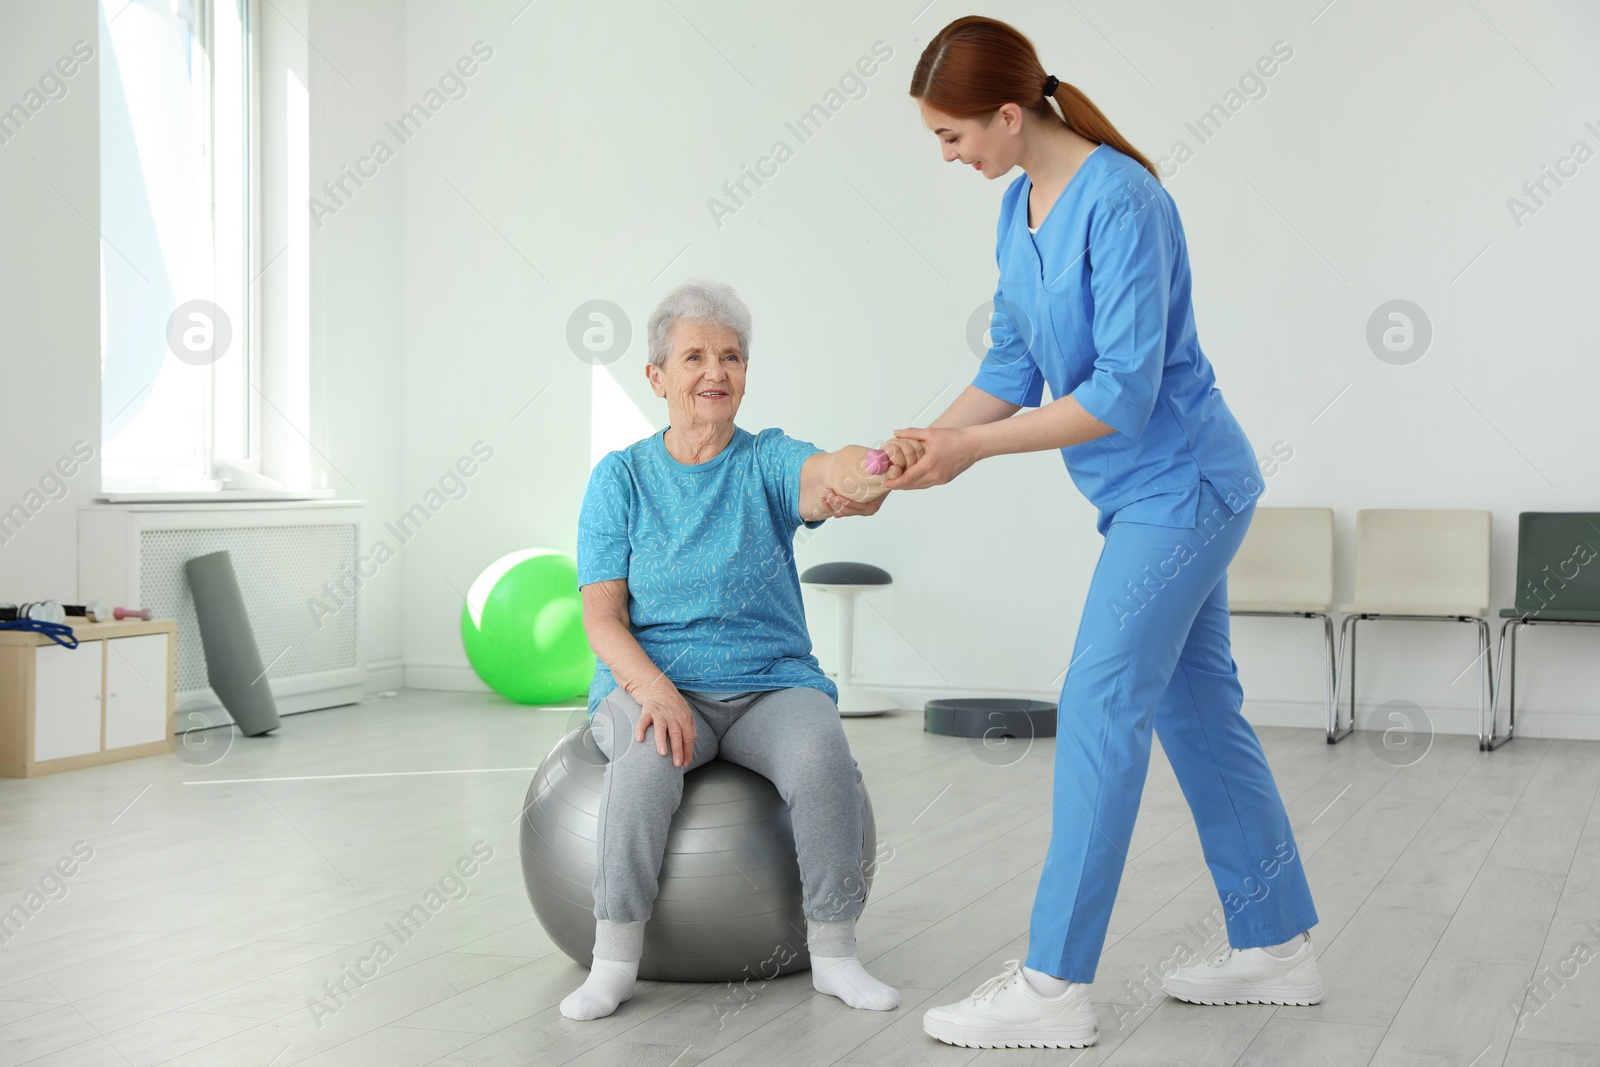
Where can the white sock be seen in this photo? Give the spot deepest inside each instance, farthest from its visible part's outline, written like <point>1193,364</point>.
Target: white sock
<point>1288,948</point>
<point>609,984</point>
<point>1046,984</point>
<point>845,978</point>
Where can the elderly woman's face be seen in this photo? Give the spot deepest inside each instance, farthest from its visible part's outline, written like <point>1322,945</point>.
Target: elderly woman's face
<point>703,379</point>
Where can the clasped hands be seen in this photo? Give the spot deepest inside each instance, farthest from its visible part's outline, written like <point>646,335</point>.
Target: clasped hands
<point>919,458</point>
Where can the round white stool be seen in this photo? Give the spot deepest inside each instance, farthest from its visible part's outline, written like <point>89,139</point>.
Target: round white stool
<point>847,581</point>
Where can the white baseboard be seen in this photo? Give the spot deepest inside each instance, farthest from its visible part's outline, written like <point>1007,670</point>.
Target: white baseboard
<point>451,677</point>
<point>1570,726</point>
<point>1314,713</point>
<point>1560,725</point>
<point>1573,726</point>
<point>387,674</point>
<point>331,689</point>
<point>912,698</point>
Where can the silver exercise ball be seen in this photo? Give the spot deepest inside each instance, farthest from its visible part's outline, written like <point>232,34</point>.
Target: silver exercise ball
<point>728,907</point>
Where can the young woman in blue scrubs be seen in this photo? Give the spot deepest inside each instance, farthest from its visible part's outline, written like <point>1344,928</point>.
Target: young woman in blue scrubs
<point>1094,301</point>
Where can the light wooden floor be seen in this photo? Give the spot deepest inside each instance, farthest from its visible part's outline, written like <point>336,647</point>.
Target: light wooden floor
<point>209,916</point>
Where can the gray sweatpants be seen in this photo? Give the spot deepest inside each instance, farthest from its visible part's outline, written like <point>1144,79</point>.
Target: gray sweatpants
<point>791,737</point>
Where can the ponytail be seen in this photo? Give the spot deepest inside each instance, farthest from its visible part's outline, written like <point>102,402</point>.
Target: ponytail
<point>1088,121</point>
<point>976,64</point>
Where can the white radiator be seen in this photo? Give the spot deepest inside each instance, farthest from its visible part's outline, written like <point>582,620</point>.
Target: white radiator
<point>296,563</point>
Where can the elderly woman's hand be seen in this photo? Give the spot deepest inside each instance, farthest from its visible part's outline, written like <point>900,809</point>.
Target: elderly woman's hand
<point>664,707</point>
<point>842,506</point>
<point>860,493</point>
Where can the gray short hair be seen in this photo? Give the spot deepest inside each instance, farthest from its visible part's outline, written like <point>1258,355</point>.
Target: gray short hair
<point>703,300</point>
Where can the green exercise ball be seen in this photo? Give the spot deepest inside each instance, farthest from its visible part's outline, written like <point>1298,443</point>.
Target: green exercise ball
<point>522,626</point>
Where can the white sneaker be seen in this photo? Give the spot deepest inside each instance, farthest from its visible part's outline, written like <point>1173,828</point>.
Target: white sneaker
<point>1250,976</point>
<point>1007,1012</point>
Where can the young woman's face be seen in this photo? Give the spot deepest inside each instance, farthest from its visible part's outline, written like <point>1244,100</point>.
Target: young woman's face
<point>990,148</point>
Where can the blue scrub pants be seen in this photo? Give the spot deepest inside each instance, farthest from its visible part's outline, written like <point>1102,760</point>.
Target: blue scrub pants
<point>1153,649</point>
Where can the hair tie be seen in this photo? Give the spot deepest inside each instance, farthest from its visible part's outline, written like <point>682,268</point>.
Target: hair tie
<point>1050,84</point>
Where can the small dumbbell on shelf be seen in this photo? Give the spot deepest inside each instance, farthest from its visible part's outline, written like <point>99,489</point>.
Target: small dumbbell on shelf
<point>40,616</point>
<point>38,610</point>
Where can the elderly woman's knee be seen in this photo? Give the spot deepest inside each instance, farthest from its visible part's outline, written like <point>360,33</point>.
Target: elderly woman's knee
<point>827,750</point>
<point>613,726</point>
<point>822,772</point>
<point>641,759</point>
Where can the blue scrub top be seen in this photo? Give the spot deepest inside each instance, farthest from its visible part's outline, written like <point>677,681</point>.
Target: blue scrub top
<point>1096,304</point>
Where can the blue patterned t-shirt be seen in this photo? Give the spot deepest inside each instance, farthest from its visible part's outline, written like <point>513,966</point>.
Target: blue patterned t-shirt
<point>707,550</point>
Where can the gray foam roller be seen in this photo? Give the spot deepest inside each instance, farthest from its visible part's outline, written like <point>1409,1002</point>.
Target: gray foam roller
<point>730,891</point>
<point>233,659</point>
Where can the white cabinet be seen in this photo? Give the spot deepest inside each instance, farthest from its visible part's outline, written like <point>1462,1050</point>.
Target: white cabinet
<point>111,698</point>
<point>66,700</point>
<point>136,690</point>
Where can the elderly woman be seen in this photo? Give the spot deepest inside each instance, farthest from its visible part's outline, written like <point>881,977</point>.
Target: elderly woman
<point>692,603</point>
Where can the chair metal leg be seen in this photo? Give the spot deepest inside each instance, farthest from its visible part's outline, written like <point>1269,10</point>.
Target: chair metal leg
<point>1488,691</point>
<point>1488,741</point>
<point>1485,672</point>
<point>1335,735</point>
<point>1347,626</point>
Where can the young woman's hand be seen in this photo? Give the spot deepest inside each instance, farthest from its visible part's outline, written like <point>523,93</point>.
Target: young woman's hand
<point>945,453</point>
<point>903,452</point>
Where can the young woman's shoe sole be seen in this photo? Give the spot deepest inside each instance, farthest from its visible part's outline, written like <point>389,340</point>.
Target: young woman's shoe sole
<point>973,1037</point>
<point>1244,993</point>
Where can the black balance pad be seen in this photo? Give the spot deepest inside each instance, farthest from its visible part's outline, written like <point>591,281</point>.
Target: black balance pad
<point>990,717</point>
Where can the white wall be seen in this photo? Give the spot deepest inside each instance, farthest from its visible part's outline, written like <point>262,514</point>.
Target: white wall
<point>578,166</point>
<point>49,299</point>
<point>1377,166</point>
<point>49,284</point>
<point>356,70</point>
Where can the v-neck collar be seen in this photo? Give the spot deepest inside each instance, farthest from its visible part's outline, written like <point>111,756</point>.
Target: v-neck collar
<point>1027,193</point>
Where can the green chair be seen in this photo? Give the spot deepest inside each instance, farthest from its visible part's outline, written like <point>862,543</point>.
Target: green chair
<point>1558,584</point>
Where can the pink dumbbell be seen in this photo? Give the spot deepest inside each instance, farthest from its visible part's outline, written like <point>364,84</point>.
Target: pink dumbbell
<point>876,462</point>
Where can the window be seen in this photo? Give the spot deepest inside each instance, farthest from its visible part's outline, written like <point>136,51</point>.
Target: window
<point>179,367</point>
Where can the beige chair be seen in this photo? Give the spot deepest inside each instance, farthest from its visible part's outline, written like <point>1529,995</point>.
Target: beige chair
<point>1421,565</point>
<point>1284,569</point>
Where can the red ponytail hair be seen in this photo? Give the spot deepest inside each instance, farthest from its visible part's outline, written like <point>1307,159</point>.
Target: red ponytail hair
<point>976,64</point>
